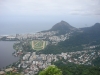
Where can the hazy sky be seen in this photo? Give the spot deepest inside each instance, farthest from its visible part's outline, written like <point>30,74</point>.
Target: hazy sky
<point>28,16</point>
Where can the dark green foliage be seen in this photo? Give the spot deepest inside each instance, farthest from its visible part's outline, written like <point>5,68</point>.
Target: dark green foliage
<point>51,70</point>
<point>96,61</point>
<point>27,47</point>
<point>97,48</point>
<point>57,49</point>
<point>52,49</point>
<point>73,69</point>
<point>89,37</point>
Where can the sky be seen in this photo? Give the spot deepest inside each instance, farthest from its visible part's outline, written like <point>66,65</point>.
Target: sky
<point>30,16</point>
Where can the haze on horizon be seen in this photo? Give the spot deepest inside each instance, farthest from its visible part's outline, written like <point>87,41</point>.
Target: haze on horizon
<point>29,16</point>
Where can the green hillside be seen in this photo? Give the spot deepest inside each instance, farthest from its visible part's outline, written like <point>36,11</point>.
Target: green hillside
<point>89,37</point>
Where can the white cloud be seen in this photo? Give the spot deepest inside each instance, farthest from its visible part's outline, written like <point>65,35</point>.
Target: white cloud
<point>47,7</point>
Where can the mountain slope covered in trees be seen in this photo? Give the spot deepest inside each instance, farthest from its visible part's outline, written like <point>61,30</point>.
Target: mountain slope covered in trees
<point>89,37</point>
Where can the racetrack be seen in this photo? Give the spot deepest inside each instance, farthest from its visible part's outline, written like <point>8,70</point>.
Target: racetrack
<point>38,44</point>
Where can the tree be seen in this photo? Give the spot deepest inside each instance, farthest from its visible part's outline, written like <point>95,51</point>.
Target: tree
<point>51,70</point>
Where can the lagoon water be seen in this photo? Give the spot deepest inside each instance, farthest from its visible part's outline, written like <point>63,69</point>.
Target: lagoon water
<point>6,50</point>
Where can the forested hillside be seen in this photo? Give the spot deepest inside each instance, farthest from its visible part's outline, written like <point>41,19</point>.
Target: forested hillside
<point>78,41</point>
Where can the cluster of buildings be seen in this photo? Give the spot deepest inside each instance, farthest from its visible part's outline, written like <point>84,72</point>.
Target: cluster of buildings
<point>6,70</point>
<point>7,37</point>
<point>49,36</point>
<point>32,63</point>
<point>39,35</point>
<point>55,39</point>
<point>81,57</point>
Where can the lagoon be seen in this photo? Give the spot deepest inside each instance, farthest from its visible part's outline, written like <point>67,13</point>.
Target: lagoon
<point>6,50</point>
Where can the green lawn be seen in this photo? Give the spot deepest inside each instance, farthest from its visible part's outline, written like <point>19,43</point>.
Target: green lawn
<point>38,44</point>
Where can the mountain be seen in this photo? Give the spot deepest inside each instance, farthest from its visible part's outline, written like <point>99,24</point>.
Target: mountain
<point>94,28</point>
<point>62,27</point>
<point>92,33</point>
<point>89,37</point>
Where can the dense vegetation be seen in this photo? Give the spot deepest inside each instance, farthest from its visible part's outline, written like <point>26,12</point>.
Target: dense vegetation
<point>96,62</point>
<point>51,70</point>
<point>73,69</point>
<point>89,37</point>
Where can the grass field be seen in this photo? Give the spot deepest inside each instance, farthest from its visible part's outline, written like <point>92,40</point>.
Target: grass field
<point>38,44</point>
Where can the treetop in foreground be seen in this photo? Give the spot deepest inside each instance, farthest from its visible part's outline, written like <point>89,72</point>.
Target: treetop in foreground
<point>51,70</point>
